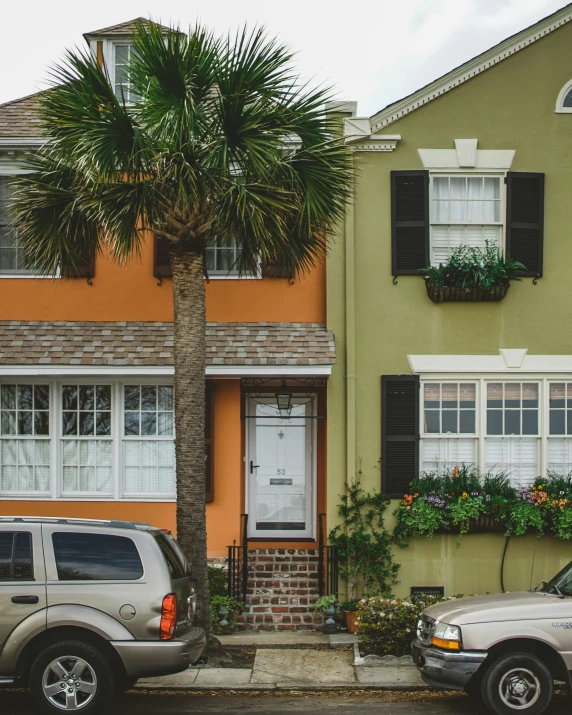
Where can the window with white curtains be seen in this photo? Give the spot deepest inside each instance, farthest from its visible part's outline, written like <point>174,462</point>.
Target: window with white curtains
<point>522,428</point>
<point>465,211</point>
<point>82,439</point>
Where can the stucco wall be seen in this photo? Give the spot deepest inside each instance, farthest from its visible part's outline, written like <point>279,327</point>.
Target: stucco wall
<point>510,106</point>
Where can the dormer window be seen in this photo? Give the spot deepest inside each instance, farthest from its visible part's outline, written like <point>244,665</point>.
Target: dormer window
<point>564,101</point>
<point>122,54</point>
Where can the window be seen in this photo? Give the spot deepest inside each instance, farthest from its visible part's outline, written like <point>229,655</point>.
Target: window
<point>86,439</point>
<point>465,211</point>
<point>449,419</point>
<point>72,439</point>
<point>16,556</point>
<point>560,428</point>
<point>148,447</point>
<point>174,557</point>
<point>96,557</point>
<point>564,100</point>
<point>122,55</point>
<point>11,256</point>
<point>492,425</point>
<point>222,256</point>
<point>24,439</point>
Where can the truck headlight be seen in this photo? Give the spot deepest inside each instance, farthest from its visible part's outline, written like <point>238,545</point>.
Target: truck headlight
<point>446,636</point>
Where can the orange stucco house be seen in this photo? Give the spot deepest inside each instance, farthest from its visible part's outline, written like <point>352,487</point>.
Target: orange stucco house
<point>86,412</point>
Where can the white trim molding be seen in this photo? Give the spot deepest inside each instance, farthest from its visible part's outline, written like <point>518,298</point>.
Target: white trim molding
<point>465,155</point>
<point>471,69</point>
<point>514,360</point>
<point>164,370</point>
<point>560,108</point>
<point>358,136</point>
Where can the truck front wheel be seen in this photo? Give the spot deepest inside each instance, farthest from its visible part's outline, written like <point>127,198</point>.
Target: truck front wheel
<point>517,683</point>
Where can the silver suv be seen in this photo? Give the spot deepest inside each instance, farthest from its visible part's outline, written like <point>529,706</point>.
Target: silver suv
<point>88,607</point>
<point>506,650</point>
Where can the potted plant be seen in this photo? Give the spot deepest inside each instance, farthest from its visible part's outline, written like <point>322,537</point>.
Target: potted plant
<point>472,274</point>
<point>349,609</point>
<point>329,606</point>
<point>224,610</point>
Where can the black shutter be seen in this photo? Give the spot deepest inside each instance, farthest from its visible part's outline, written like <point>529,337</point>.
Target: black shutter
<point>409,222</point>
<point>209,442</point>
<point>162,258</point>
<point>399,433</point>
<point>525,220</point>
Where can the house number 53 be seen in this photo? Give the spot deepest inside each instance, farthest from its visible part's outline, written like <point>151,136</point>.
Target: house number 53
<point>280,471</point>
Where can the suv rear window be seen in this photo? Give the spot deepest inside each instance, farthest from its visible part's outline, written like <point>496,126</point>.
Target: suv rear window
<point>16,556</point>
<point>175,558</point>
<point>96,557</point>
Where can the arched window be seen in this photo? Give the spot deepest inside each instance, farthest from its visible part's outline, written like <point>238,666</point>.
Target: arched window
<point>564,101</point>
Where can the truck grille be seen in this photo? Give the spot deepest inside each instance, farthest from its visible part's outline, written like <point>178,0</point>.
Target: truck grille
<point>425,627</point>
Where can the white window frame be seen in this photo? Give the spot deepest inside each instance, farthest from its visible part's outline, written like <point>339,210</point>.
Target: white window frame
<point>560,108</point>
<point>467,173</point>
<point>482,380</point>
<point>117,438</point>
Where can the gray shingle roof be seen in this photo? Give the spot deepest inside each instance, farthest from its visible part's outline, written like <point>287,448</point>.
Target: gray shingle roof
<point>18,117</point>
<point>123,28</point>
<point>146,343</point>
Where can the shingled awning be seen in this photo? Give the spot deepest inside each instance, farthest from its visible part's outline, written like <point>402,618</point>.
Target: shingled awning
<point>147,344</point>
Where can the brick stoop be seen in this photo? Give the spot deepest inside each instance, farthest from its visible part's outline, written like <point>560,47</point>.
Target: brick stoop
<point>282,590</point>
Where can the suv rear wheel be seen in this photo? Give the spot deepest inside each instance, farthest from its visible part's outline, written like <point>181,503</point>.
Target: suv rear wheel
<point>517,683</point>
<point>71,676</point>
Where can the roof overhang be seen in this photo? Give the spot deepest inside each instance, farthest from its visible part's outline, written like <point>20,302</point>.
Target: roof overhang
<point>223,371</point>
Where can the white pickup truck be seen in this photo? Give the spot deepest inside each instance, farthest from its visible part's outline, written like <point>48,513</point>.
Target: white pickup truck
<point>507,649</point>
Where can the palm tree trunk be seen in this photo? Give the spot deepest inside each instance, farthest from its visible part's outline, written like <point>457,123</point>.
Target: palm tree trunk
<point>190,355</point>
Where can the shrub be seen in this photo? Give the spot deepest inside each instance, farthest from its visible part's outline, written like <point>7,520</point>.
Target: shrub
<point>218,581</point>
<point>386,626</point>
<point>229,603</point>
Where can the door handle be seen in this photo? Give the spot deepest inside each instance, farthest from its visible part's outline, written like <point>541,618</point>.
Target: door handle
<point>25,599</point>
<point>253,466</point>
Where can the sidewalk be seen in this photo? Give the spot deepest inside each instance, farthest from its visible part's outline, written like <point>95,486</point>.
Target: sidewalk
<point>297,661</point>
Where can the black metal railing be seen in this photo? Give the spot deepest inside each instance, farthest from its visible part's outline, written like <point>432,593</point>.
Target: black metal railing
<point>327,563</point>
<point>238,564</point>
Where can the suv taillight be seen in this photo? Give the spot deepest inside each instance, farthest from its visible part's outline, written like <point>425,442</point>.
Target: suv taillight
<point>168,617</point>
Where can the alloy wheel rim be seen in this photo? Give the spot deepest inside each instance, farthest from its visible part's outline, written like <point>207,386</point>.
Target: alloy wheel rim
<point>519,688</point>
<point>69,683</point>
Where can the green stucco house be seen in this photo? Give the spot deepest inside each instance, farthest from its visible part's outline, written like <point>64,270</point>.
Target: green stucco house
<point>481,155</point>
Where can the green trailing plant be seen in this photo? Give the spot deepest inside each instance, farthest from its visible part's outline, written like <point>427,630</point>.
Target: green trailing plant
<point>363,542</point>
<point>469,267</point>
<point>350,606</point>
<point>457,502</point>
<point>323,604</point>
<point>228,603</point>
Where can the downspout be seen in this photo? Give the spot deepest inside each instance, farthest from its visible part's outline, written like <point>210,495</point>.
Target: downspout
<point>350,330</point>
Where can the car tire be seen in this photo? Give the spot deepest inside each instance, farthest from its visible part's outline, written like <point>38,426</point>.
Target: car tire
<point>517,683</point>
<point>73,676</point>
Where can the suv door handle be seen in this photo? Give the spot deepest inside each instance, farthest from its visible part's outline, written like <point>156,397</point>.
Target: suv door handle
<point>25,599</point>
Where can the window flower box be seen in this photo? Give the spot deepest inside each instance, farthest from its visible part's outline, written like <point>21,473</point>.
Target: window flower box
<point>456,294</point>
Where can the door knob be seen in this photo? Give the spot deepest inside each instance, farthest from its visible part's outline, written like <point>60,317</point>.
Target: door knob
<point>253,466</point>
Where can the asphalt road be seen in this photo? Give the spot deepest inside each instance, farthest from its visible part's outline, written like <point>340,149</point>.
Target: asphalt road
<point>356,703</point>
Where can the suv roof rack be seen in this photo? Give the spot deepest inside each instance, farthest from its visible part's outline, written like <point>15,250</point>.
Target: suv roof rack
<point>111,523</point>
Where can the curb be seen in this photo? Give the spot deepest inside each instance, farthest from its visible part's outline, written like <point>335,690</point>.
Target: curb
<point>274,687</point>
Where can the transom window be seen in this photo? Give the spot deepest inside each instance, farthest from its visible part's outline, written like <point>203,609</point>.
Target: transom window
<point>465,211</point>
<point>564,100</point>
<point>523,428</point>
<point>107,440</point>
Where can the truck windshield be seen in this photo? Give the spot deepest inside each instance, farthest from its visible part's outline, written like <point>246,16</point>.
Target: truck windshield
<point>562,582</point>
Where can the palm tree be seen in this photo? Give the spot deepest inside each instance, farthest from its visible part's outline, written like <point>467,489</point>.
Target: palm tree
<point>218,141</point>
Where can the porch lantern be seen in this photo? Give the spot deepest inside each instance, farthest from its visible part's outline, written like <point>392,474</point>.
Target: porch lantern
<point>284,399</point>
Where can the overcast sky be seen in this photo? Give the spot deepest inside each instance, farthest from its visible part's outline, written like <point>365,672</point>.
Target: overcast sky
<point>374,52</point>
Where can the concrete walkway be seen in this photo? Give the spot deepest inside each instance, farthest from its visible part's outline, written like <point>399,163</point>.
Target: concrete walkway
<point>292,661</point>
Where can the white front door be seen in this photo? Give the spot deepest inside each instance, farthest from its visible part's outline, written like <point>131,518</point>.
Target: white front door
<point>279,470</point>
